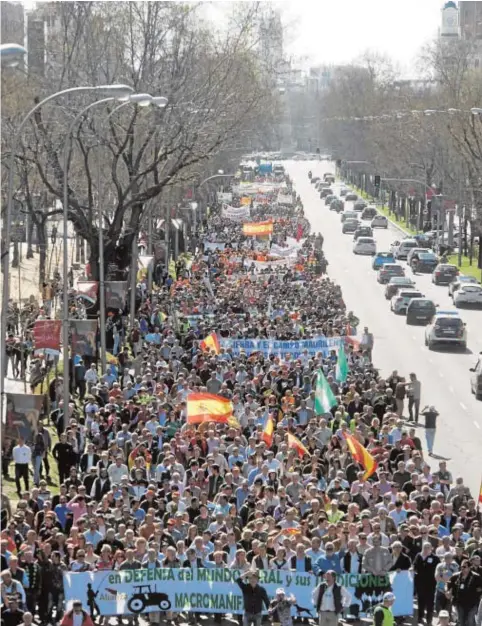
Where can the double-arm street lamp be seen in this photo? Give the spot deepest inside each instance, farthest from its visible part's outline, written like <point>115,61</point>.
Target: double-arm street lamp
<point>116,90</point>
<point>141,99</point>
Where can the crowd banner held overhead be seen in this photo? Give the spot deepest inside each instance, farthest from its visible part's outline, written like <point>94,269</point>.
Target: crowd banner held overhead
<point>210,344</point>
<point>22,416</point>
<point>236,214</point>
<point>208,407</point>
<point>264,265</point>
<point>88,290</point>
<point>83,337</point>
<point>281,348</point>
<point>361,455</point>
<point>115,294</point>
<point>324,397</point>
<point>46,335</point>
<point>213,245</point>
<point>212,590</point>
<point>258,229</point>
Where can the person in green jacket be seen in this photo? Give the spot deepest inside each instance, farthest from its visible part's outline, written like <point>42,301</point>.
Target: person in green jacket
<point>382,615</point>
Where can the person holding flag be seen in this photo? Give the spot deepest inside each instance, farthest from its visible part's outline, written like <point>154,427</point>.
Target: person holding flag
<point>325,399</point>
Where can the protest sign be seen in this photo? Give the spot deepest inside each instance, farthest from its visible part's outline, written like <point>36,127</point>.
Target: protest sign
<point>115,294</point>
<point>272,346</point>
<point>87,291</point>
<point>264,265</point>
<point>213,245</point>
<point>47,336</point>
<point>225,196</point>
<point>236,214</point>
<point>83,337</point>
<point>213,590</point>
<point>22,416</point>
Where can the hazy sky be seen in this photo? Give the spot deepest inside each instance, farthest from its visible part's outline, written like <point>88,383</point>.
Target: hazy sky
<point>336,31</point>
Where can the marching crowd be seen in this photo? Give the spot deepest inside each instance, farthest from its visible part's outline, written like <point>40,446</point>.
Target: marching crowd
<point>141,486</point>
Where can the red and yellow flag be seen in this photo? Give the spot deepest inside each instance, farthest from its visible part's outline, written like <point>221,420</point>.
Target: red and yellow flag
<point>295,443</point>
<point>135,454</point>
<point>361,455</point>
<point>210,344</point>
<point>208,407</point>
<point>257,229</point>
<point>268,431</point>
<point>480,494</point>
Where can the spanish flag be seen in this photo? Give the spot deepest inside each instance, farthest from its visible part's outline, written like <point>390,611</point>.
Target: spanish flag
<point>208,407</point>
<point>111,359</point>
<point>295,443</point>
<point>257,229</point>
<point>210,344</point>
<point>480,495</point>
<point>135,454</point>
<point>268,431</point>
<point>361,455</point>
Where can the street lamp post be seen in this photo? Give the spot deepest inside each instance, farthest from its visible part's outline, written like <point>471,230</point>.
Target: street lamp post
<point>11,54</point>
<point>119,90</point>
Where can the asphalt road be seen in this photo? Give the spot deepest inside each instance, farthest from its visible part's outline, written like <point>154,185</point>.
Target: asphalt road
<point>444,373</point>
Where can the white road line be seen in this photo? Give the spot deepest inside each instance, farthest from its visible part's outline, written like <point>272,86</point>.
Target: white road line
<point>463,406</point>
<point>476,425</point>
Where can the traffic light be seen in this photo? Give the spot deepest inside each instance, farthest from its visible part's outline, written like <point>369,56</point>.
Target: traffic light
<point>377,181</point>
<point>317,151</point>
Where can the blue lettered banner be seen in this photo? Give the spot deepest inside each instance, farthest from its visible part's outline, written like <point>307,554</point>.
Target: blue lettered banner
<point>295,348</point>
<point>209,590</point>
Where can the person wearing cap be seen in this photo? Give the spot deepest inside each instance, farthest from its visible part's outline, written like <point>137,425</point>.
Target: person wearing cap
<point>383,615</point>
<point>254,596</point>
<point>77,616</point>
<point>329,599</point>
<point>280,608</point>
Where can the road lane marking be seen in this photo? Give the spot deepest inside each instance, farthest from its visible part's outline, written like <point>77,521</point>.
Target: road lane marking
<point>476,425</point>
<point>463,406</point>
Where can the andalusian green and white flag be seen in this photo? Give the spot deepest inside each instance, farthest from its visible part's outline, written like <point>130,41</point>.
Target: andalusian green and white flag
<point>324,396</point>
<point>341,371</point>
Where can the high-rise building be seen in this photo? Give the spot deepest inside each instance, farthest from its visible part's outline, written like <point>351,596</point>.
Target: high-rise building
<point>470,19</point>
<point>12,22</point>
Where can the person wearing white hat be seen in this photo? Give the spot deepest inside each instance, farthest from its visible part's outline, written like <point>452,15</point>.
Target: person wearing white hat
<point>280,608</point>
<point>443,618</point>
<point>383,615</point>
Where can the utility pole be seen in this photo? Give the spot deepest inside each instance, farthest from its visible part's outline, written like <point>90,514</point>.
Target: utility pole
<point>149,247</point>
<point>132,311</point>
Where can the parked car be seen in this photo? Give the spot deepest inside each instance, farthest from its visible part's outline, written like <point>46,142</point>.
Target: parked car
<point>396,283</point>
<point>360,205</point>
<point>460,280</point>
<point>337,205</point>
<point>326,191</point>
<point>404,248</point>
<point>328,175</point>
<point>349,226</point>
<point>425,262</point>
<point>468,294</point>
<point>329,199</point>
<point>388,270</point>
<point>381,258</point>
<point>369,213</point>
<point>351,196</point>
<point>349,215</point>
<point>446,328</point>
<point>343,191</point>
<point>364,245</point>
<point>379,221</point>
<point>399,302</point>
<point>444,273</point>
<point>420,311</point>
<point>413,251</point>
<point>314,179</point>
<point>363,231</point>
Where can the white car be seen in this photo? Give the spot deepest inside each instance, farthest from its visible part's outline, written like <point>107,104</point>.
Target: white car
<point>468,294</point>
<point>379,221</point>
<point>365,245</point>
<point>446,328</point>
<point>399,302</point>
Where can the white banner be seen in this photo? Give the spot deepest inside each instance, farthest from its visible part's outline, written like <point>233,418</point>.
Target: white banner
<point>237,214</point>
<point>214,590</point>
<point>225,196</point>
<point>213,245</point>
<point>263,265</point>
<point>285,198</point>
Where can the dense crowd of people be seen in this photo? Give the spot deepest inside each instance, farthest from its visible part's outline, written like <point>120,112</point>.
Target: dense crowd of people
<point>139,486</point>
